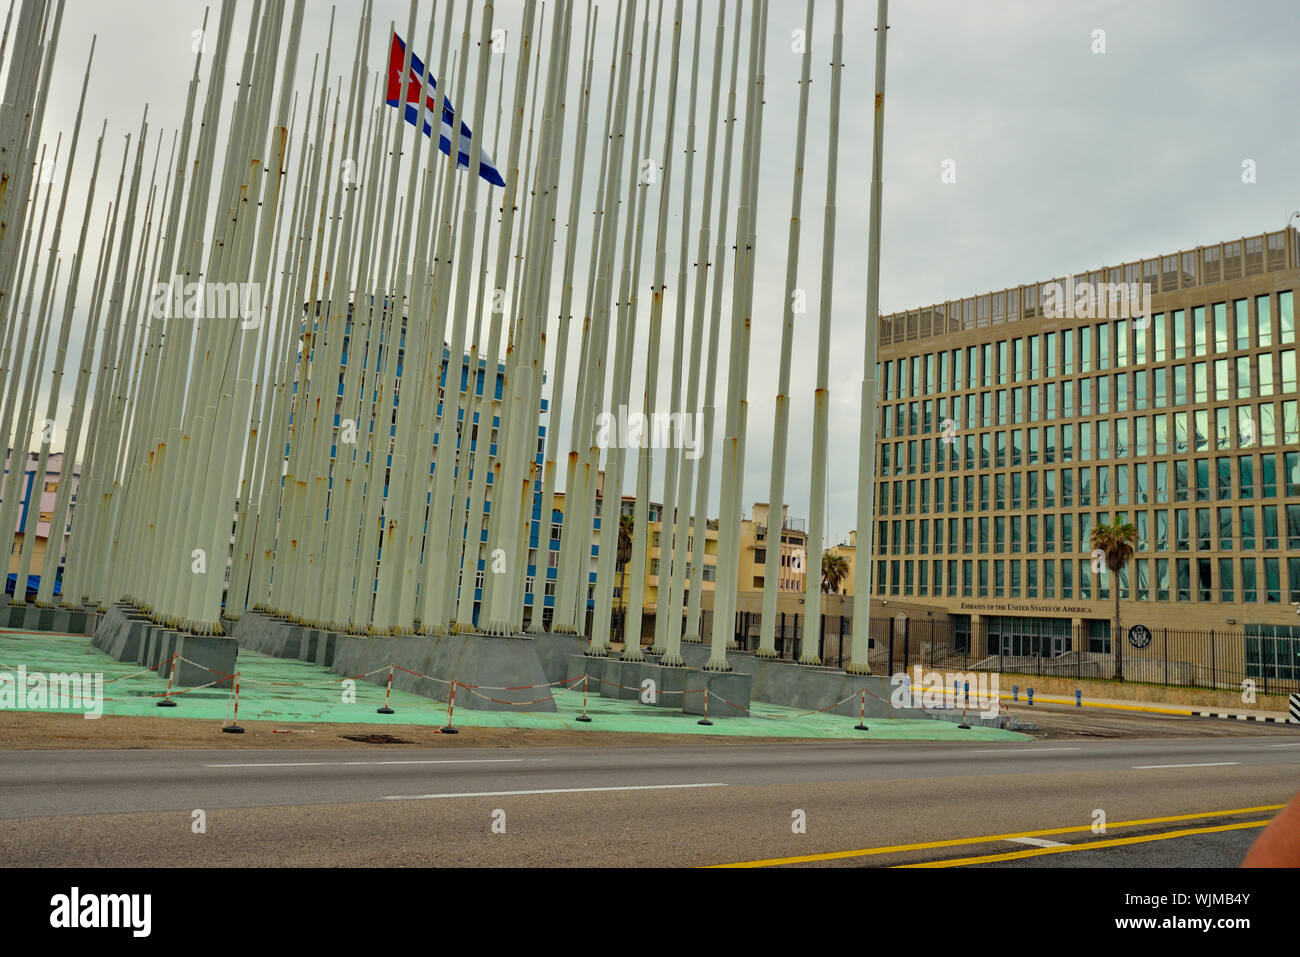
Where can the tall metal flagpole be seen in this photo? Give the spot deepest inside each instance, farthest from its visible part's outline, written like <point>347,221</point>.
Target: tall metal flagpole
<point>573,575</point>
<point>616,455</point>
<point>444,512</point>
<point>733,446</point>
<point>486,403</point>
<point>664,610</point>
<point>858,663</point>
<point>503,595</point>
<point>821,398</point>
<point>781,427</point>
<point>537,607</point>
<point>645,456</point>
<point>694,608</point>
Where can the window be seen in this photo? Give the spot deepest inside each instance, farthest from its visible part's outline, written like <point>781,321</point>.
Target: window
<point>1204,580</point>
<point>1184,572</point>
<point>1272,581</point>
<point>1247,514</point>
<point>1226,591</point>
<point>1269,514</point>
<point>1241,316</point>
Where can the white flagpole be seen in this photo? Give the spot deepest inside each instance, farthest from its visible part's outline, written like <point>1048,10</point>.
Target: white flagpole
<point>645,457</point>
<point>781,425</point>
<point>858,663</point>
<point>821,397</point>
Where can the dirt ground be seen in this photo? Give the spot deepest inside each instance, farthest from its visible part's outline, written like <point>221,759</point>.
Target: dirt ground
<point>21,730</point>
<point>26,730</point>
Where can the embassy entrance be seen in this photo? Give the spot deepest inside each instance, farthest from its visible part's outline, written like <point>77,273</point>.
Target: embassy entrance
<point>1030,637</point>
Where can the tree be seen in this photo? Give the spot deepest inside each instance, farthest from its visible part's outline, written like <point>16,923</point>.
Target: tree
<point>1115,541</point>
<point>834,570</point>
<point>624,556</point>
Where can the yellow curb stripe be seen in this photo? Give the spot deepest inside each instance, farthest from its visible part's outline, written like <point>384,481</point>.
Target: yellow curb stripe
<point>989,839</point>
<point>1150,709</point>
<point>1088,846</point>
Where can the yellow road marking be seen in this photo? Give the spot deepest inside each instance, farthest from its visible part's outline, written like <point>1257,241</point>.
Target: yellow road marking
<point>989,839</point>
<point>1088,846</point>
<point>1005,695</point>
<point>1038,699</point>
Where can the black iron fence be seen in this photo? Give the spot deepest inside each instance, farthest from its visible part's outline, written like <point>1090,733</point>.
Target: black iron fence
<point>1179,657</point>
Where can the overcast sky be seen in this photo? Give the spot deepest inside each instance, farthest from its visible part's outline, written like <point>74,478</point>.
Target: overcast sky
<point>1066,159</point>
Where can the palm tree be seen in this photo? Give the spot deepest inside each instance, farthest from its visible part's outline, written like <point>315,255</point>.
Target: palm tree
<point>625,526</point>
<point>1115,541</point>
<point>834,570</point>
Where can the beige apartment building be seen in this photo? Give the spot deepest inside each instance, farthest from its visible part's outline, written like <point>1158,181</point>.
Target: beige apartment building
<point>1013,422</point>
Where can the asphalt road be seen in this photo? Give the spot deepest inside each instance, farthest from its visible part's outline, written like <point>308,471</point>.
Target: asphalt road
<point>859,804</point>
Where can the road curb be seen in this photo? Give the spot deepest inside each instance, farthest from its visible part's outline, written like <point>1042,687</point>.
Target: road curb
<point>1261,718</point>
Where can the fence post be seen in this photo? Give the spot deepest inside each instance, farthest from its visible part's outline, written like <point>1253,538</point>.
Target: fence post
<point>1263,665</point>
<point>1214,678</point>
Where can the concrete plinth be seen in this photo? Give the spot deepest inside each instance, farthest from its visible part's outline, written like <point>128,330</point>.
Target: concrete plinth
<point>630,675</point>
<point>611,677</point>
<point>593,668</point>
<point>22,617</point>
<point>265,634</point>
<point>555,651</point>
<point>201,653</point>
<point>168,641</point>
<point>324,649</point>
<point>484,667</point>
<point>669,685</point>
<point>120,632</point>
<point>148,647</point>
<point>728,693</point>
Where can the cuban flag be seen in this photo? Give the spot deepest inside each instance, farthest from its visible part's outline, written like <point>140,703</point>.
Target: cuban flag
<point>416,82</point>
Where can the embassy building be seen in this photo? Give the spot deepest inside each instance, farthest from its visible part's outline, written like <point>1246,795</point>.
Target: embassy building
<point>1162,391</point>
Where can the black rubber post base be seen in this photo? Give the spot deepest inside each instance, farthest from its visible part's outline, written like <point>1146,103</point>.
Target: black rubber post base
<point>383,711</point>
<point>166,703</point>
<point>583,718</point>
<point>232,729</point>
<point>706,722</point>
<point>860,727</point>
<point>449,730</point>
<point>964,727</point>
